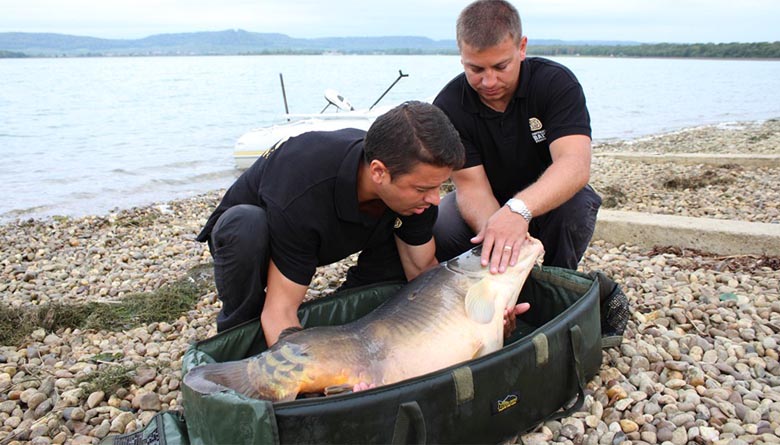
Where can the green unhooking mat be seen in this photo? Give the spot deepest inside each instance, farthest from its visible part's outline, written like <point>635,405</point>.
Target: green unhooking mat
<point>538,375</point>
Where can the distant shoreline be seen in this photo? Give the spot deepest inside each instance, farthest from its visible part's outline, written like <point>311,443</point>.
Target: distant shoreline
<point>241,42</point>
<point>111,56</point>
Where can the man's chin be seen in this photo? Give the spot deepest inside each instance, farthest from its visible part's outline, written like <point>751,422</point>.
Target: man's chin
<point>490,94</point>
<point>409,212</point>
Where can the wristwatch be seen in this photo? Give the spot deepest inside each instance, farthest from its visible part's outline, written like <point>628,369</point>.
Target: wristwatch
<point>518,206</point>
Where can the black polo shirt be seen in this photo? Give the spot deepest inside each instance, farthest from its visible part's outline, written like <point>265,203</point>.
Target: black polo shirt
<point>514,146</point>
<point>308,187</point>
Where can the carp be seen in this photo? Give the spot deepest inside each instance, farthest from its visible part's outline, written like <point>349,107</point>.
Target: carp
<point>447,315</point>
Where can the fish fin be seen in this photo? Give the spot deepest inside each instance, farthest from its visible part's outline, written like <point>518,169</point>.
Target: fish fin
<point>231,375</point>
<point>288,331</point>
<point>338,389</point>
<point>480,305</point>
<point>197,380</point>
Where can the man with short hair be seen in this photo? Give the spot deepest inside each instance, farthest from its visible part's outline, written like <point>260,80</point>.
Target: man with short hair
<point>526,130</point>
<point>323,196</point>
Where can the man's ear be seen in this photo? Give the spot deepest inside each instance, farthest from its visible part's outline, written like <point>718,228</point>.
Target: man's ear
<point>523,47</point>
<point>378,170</point>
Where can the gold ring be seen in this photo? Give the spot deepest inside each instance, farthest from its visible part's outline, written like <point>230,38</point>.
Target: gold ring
<point>507,247</point>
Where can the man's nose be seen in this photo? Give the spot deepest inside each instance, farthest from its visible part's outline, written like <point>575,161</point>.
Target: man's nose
<point>433,197</point>
<point>489,78</point>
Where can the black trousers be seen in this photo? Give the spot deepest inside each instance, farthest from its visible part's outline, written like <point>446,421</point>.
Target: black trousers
<point>240,246</point>
<point>565,231</point>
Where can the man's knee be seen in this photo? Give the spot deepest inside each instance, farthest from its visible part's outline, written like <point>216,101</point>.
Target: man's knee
<point>240,250</point>
<point>583,206</point>
<point>451,232</point>
<point>374,265</point>
<point>567,230</point>
<point>243,228</point>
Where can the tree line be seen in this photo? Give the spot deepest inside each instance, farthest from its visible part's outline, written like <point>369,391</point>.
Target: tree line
<point>759,50</point>
<point>11,55</point>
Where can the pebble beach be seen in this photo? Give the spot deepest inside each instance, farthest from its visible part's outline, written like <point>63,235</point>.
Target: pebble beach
<point>698,364</point>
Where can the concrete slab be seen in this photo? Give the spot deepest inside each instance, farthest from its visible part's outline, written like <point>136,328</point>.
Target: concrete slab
<point>726,237</point>
<point>744,159</point>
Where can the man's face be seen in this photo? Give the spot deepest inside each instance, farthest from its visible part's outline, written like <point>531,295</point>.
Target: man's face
<point>415,191</point>
<point>494,72</point>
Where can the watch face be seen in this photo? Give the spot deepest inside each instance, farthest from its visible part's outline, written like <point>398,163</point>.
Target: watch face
<point>519,207</point>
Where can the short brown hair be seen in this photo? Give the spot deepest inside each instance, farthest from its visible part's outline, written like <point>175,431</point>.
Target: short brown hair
<point>486,23</point>
<point>412,133</point>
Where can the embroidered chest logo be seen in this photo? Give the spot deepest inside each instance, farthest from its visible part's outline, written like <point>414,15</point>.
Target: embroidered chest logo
<point>398,223</point>
<point>537,130</point>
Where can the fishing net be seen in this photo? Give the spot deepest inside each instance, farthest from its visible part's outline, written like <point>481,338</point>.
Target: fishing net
<point>614,311</point>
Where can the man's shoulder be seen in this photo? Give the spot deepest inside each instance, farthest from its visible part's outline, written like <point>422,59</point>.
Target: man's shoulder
<point>344,137</point>
<point>310,162</point>
<point>452,93</point>
<point>454,99</point>
<point>546,70</point>
<point>318,147</point>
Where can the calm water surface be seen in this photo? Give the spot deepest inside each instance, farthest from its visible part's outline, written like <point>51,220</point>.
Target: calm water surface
<point>88,135</point>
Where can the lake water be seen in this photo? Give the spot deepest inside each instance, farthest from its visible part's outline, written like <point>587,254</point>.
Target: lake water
<point>87,135</point>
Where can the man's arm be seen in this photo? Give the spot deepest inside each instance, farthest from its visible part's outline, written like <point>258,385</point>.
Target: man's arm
<point>569,173</point>
<point>474,196</point>
<point>282,299</point>
<point>416,259</point>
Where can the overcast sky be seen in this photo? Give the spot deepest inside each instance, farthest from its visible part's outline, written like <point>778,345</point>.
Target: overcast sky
<point>683,21</point>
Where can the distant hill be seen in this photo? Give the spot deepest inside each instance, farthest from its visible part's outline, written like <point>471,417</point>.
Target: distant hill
<point>230,42</point>
<point>216,42</point>
<point>21,44</point>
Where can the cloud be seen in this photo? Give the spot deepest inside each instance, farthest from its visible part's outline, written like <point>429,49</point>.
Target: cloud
<point>648,21</point>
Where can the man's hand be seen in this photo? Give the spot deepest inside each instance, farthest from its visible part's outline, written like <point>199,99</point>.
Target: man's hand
<point>501,239</point>
<point>362,386</point>
<point>275,324</point>
<point>510,317</point>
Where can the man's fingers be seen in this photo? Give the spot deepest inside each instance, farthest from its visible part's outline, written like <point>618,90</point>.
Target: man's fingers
<point>521,308</point>
<point>488,251</point>
<point>498,258</point>
<point>510,317</point>
<point>506,256</point>
<point>501,256</point>
<point>515,252</point>
<point>362,386</point>
<point>510,322</point>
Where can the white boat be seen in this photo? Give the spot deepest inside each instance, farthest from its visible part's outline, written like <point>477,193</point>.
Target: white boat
<point>259,141</point>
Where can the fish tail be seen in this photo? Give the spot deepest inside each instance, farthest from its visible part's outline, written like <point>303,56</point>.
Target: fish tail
<point>198,380</point>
